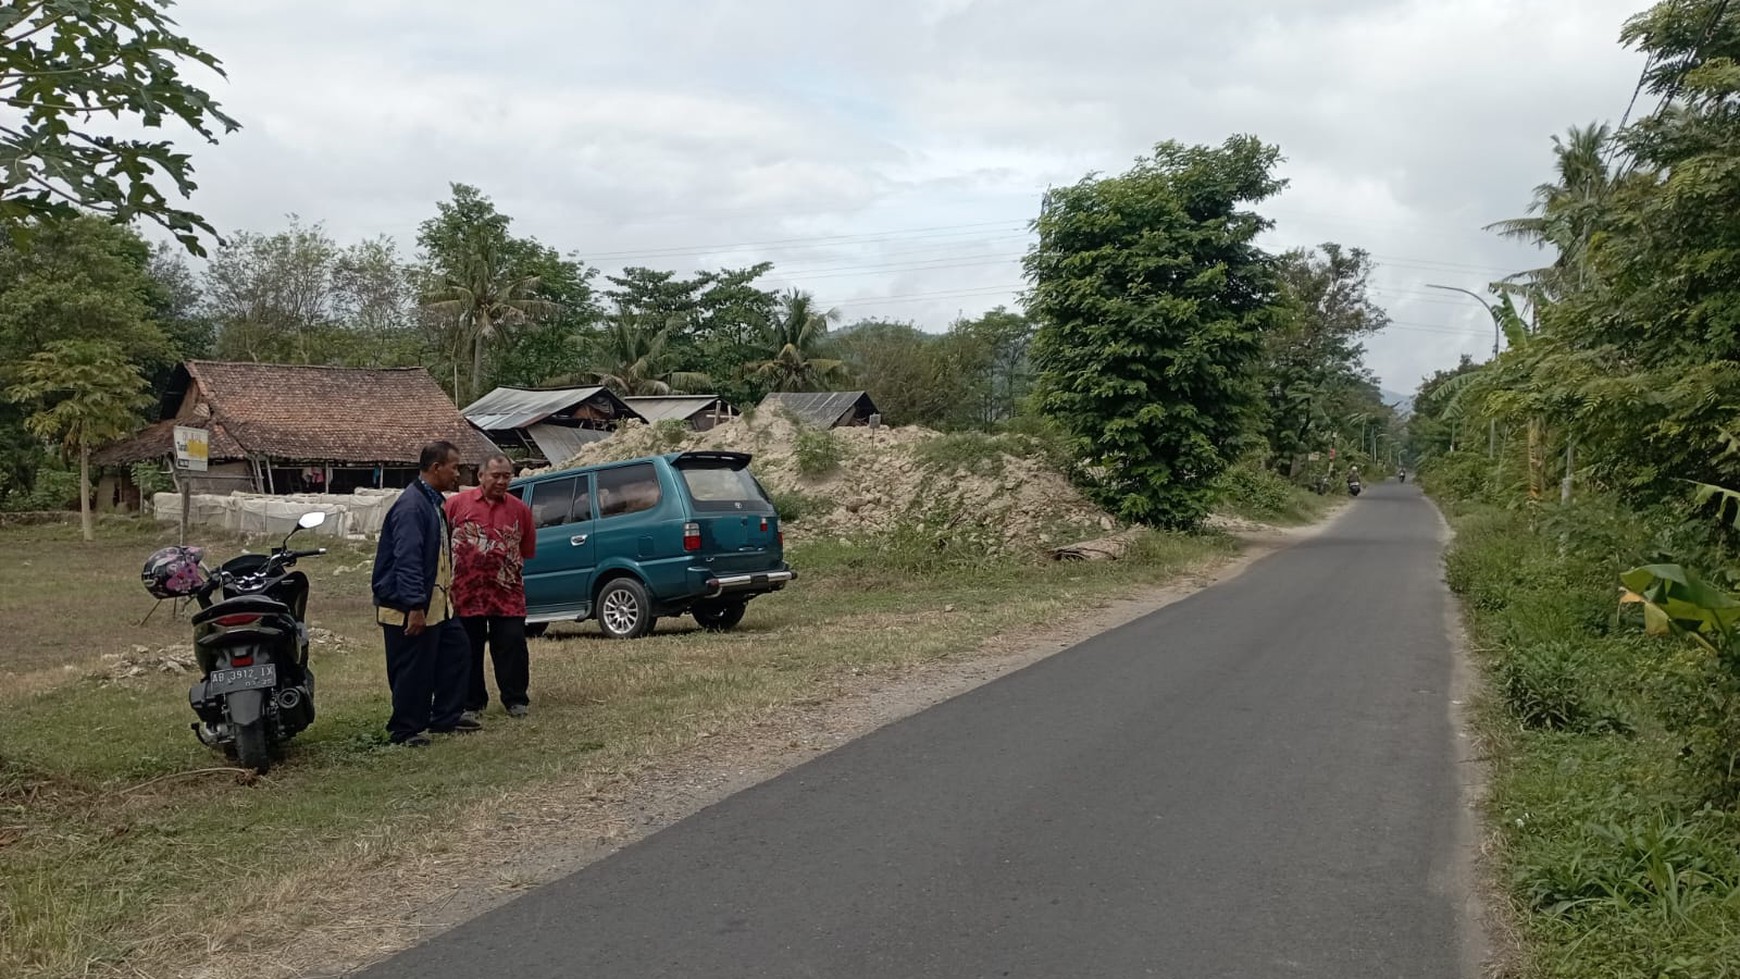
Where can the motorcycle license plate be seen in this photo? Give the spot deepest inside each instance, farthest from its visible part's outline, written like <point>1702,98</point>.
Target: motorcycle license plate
<point>242,678</point>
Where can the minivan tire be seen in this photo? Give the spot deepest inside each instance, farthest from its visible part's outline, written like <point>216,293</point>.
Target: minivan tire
<point>536,629</point>
<point>624,609</point>
<point>719,615</point>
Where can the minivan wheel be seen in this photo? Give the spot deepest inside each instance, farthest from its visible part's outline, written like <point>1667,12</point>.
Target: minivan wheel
<point>536,629</point>
<point>624,609</point>
<point>718,614</point>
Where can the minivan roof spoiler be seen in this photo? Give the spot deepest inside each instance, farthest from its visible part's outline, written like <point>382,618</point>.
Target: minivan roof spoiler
<point>730,460</point>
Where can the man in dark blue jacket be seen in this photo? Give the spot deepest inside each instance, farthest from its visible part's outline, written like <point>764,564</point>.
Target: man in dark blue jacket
<point>428,656</point>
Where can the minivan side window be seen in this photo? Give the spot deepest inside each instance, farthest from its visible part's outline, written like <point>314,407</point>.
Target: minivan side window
<point>552,500</point>
<point>628,489</point>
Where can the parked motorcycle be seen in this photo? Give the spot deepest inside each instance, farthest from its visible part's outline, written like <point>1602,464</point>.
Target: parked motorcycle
<point>255,691</point>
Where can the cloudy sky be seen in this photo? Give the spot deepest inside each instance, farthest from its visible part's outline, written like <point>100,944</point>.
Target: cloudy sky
<point>888,156</point>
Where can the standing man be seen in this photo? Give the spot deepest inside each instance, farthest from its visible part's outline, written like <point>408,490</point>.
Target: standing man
<point>413,582</point>
<point>493,537</point>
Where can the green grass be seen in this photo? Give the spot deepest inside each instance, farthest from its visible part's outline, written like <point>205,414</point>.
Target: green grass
<point>1611,861</point>
<point>114,844</point>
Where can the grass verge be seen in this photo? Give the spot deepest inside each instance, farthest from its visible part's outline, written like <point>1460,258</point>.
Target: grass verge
<point>1610,859</point>
<point>117,843</point>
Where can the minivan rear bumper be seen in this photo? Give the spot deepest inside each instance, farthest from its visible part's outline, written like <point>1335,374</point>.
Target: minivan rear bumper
<point>759,581</point>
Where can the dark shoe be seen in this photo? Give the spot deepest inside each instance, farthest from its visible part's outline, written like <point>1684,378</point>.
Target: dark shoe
<point>466,725</point>
<point>415,741</point>
<point>518,710</point>
<point>474,716</point>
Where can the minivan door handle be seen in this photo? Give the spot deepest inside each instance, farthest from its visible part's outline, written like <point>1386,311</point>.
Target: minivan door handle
<point>577,539</point>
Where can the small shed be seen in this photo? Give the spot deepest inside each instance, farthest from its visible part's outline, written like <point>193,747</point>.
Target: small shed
<point>822,409</point>
<point>294,428</point>
<point>699,411</point>
<point>546,427</point>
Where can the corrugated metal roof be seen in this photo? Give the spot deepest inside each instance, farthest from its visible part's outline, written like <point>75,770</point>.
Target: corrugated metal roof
<point>518,407</point>
<point>823,409</point>
<point>559,443</point>
<point>678,406</point>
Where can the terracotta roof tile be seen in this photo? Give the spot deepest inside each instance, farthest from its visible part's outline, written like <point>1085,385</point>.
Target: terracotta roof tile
<point>309,413</point>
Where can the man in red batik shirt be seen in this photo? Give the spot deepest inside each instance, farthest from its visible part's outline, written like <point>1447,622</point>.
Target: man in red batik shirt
<point>492,538</point>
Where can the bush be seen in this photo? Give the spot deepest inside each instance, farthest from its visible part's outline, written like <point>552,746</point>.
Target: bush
<point>56,489</point>
<point>1256,492</point>
<point>818,452</point>
<point>672,432</point>
<point>1548,686</point>
<point>1650,862</point>
<point>795,506</point>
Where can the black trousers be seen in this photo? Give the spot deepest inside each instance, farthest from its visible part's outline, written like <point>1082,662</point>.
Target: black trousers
<point>505,635</point>
<point>426,674</point>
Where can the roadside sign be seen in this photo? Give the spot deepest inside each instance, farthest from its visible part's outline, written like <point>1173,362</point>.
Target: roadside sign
<point>190,449</point>
<point>1315,456</point>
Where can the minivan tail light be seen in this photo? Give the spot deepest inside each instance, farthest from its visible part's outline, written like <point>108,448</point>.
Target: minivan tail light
<point>691,536</point>
<point>240,618</point>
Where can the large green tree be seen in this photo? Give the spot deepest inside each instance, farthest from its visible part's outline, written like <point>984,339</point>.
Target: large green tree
<point>1312,372</point>
<point>1151,296</point>
<point>64,65</point>
<point>83,393</point>
<point>482,284</point>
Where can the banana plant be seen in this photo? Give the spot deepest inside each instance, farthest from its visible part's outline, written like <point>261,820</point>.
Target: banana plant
<point>1676,601</point>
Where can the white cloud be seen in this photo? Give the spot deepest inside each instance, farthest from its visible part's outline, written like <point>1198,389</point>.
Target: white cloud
<point>915,136</point>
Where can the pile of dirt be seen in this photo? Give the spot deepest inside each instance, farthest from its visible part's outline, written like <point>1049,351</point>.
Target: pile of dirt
<point>997,491</point>
<point>142,660</point>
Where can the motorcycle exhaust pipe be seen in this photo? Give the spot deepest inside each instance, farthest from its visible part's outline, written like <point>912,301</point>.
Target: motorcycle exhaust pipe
<point>289,698</point>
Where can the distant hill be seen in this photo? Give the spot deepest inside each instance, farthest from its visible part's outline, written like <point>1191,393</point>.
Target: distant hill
<point>1406,401</point>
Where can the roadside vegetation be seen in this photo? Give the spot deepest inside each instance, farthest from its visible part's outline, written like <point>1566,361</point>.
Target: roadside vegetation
<point>1587,470</point>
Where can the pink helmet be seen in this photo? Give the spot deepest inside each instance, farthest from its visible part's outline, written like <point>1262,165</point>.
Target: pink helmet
<point>173,572</point>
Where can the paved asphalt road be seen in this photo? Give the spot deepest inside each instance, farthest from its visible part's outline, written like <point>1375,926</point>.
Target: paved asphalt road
<point>1257,781</point>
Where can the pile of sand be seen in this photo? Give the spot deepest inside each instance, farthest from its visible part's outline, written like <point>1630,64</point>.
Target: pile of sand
<point>1000,493</point>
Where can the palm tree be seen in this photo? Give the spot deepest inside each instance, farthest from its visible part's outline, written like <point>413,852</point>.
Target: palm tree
<point>631,356</point>
<point>1567,214</point>
<point>794,344</point>
<point>88,394</point>
<point>483,298</point>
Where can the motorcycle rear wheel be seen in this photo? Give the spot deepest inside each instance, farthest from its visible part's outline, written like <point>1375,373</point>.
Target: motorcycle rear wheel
<point>251,748</point>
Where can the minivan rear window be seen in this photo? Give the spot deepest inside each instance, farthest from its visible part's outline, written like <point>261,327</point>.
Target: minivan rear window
<point>716,487</point>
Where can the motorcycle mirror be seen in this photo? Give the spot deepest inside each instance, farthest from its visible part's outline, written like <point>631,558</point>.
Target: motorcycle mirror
<point>311,520</point>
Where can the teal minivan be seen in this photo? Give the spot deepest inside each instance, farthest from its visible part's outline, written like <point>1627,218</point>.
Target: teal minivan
<point>627,542</point>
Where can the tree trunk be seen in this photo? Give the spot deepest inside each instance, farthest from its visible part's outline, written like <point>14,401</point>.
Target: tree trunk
<point>477,366</point>
<point>1537,464</point>
<point>85,492</point>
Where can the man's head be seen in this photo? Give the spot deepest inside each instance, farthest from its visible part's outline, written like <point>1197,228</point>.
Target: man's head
<point>439,466</point>
<point>497,472</point>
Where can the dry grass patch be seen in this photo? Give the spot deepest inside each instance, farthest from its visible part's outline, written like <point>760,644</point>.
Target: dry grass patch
<point>126,858</point>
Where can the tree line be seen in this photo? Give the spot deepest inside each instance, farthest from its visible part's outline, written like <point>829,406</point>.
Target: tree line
<point>1157,341</point>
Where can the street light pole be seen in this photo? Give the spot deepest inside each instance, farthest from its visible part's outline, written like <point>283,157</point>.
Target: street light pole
<point>1491,423</point>
<point>1496,322</point>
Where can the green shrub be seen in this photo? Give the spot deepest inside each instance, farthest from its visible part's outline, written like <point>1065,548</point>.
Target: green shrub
<point>794,506</point>
<point>1652,862</point>
<point>818,452</point>
<point>1255,492</point>
<point>56,488</point>
<point>672,432</point>
<point>151,478</point>
<point>979,453</point>
<point>1548,686</point>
